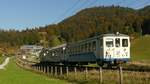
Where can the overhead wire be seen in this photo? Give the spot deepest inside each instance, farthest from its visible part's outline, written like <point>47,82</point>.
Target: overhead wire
<point>143,4</point>
<point>119,2</point>
<point>93,2</point>
<point>75,6</point>
<point>81,5</point>
<point>67,11</point>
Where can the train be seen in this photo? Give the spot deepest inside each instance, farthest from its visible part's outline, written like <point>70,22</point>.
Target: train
<point>105,49</point>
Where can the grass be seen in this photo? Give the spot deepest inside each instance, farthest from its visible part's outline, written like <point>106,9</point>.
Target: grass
<point>2,58</point>
<point>110,77</point>
<point>140,49</point>
<point>15,75</point>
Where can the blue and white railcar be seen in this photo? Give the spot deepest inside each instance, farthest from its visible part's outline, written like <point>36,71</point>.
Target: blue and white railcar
<point>111,49</point>
<point>114,49</point>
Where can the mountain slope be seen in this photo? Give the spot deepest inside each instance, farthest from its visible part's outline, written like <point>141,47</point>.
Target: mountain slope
<point>140,49</point>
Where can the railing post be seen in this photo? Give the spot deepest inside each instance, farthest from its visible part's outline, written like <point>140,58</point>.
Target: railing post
<point>61,71</point>
<point>86,73</point>
<point>75,72</point>
<point>40,68</point>
<point>51,70</point>
<point>55,70</point>
<point>100,75</point>
<point>43,69</point>
<point>47,69</point>
<point>67,71</point>
<point>120,75</point>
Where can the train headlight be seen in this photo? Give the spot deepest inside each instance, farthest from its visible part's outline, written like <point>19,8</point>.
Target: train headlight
<point>64,48</point>
<point>44,54</point>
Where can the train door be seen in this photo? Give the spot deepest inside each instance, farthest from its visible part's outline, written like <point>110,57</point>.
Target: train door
<point>118,48</point>
<point>108,48</point>
<point>125,48</point>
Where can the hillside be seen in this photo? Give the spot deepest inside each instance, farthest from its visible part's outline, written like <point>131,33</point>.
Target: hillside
<point>86,23</point>
<point>140,49</point>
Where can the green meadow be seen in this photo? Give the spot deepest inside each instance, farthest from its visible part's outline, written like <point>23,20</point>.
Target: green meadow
<point>16,75</point>
<point>140,49</point>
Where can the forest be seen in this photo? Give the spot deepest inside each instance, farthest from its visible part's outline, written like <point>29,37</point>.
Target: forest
<point>86,23</point>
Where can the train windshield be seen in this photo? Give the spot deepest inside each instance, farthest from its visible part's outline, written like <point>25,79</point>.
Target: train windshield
<point>109,42</point>
<point>124,42</point>
<point>117,41</point>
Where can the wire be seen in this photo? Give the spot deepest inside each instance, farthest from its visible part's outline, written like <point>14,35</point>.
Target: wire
<point>119,2</point>
<point>93,2</point>
<point>85,2</point>
<point>69,9</point>
<point>143,4</point>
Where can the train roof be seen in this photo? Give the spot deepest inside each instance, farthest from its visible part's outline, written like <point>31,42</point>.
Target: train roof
<point>89,39</point>
<point>99,36</point>
<point>113,35</point>
<point>59,46</point>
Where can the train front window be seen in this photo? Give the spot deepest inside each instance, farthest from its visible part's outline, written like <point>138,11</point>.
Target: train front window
<point>109,42</point>
<point>124,42</point>
<point>117,42</point>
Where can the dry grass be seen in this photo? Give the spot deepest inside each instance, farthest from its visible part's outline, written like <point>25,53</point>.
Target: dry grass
<point>109,77</point>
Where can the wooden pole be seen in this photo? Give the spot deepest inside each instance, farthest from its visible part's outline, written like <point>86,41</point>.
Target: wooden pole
<point>55,71</point>
<point>86,73</point>
<point>40,67</point>
<point>100,75</point>
<point>44,69</point>
<point>61,71</point>
<point>36,68</point>
<point>51,70</point>
<point>67,71</point>
<point>75,72</point>
<point>120,75</point>
<point>47,69</point>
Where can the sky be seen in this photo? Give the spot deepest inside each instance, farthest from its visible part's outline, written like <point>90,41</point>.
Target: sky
<point>22,14</point>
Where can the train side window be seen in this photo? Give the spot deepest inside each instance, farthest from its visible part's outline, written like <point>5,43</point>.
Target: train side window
<point>124,42</point>
<point>82,48</point>
<point>61,50</point>
<point>117,42</point>
<point>86,47</point>
<point>94,45</point>
<point>76,49</point>
<point>73,50</point>
<point>89,47</point>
